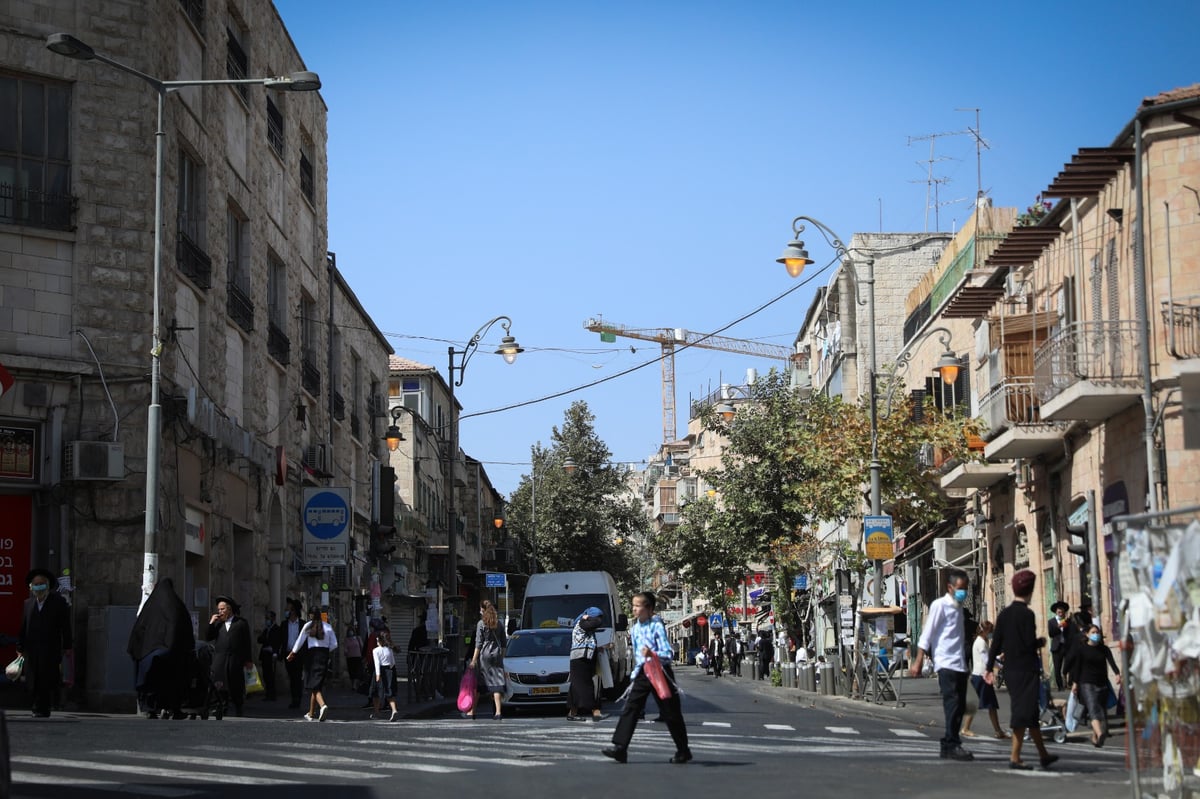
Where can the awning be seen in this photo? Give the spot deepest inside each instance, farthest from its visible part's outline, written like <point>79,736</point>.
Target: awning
<point>923,543</point>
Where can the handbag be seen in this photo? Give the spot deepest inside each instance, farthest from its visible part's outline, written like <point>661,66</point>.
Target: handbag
<point>13,670</point>
<point>1110,699</point>
<point>466,691</point>
<point>253,680</point>
<point>653,669</point>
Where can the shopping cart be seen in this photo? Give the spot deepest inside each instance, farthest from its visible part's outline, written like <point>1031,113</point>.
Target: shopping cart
<point>1051,719</point>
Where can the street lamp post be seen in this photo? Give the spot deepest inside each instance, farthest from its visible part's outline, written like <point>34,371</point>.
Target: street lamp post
<point>795,258</point>
<point>67,45</point>
<point>509,349</point>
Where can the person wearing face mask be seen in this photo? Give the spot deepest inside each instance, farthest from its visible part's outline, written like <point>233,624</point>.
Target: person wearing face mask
<point>1087,668</point>
<point>45,635</point>
<point>944,640</point>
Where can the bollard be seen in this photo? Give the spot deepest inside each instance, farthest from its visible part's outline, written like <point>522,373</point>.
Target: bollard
<point>754,669</point>
<point>826,672</point>
<point>807,682</point>
<point>789,675</point>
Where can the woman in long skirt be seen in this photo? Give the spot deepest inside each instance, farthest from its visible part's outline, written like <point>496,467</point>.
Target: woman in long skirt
<point>317,639</point>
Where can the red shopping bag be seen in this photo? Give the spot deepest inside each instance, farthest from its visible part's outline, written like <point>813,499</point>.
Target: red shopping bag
<point>466,691</point>
<point>658,679</point>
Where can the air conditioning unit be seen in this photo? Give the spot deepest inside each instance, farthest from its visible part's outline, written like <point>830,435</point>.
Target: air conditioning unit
<point>94,460</point>
<point>952,551</point>
<point>314,457</point>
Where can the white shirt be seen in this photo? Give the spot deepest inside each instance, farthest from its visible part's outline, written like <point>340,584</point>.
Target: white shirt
<point>801,656</point>
<point>943,635</point>
<point>979,655</point>
<point>306,638</point>
<point>293,632</point>
<point>384,656</point>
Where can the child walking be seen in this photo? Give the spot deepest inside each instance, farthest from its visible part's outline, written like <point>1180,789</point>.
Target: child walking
<point>385,675</point>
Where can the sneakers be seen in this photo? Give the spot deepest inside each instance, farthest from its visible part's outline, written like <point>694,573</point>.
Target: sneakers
<point>395,715</point>
<point>957,753</point>
<point>373,717</point>
<point>681,757</point>
<point>1047,760</point>
<point>617,753</point>
<point>309,717</point>
<point>324,710</point>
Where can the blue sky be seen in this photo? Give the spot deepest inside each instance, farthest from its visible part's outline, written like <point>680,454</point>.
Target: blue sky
<point>555,161</point>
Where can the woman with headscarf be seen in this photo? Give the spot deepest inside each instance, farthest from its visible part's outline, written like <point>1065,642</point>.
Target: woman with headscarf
<point>160,643</point>
<point>582,699</point>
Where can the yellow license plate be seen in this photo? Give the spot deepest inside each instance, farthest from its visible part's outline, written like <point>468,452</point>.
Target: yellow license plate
<point>544,691</point>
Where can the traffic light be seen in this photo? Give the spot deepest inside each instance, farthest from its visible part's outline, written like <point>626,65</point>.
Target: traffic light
<point>381,544</point>
<point>1080,529</point>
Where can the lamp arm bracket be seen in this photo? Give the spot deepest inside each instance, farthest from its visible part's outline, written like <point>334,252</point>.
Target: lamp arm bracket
<point>472,345</point>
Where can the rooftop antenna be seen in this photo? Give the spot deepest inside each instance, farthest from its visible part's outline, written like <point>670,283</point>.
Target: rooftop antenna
<point>932,183</point>
<point>980,144</point>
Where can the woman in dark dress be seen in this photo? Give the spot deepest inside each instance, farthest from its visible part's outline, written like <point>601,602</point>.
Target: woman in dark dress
<point>160,644</point>
<point>1086,667</point>
<point>582,700</point>
<point>1016,638</point>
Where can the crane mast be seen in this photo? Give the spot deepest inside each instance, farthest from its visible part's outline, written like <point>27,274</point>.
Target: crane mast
<point>668,338</point>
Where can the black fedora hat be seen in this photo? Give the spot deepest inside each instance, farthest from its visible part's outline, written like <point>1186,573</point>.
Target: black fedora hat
<point>228,600</point>
<point>39,573</point>
<point>1059,604</point>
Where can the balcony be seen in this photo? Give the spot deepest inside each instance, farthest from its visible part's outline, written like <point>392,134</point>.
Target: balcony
<point>1012,415</point>
<point>975,475</point>
<point>37,208</point>
<point>310,375</point>
<point>278,345</point>
<point>193,261</point>
<point>1182,320</point>
<point>1088,371</point>
<point>240,307</point>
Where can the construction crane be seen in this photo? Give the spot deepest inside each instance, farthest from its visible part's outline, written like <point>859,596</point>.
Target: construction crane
<point>671,337</point>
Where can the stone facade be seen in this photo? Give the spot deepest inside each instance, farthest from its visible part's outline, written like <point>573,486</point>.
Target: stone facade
<point>250,414</point>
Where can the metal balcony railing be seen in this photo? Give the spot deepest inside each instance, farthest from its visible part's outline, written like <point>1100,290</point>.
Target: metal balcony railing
<point>1009,403</point>
<point>240,307</point>
<point>1097,352</point>
<point>278,345</point>
<point>193,261</point>
<point>36,208</point>
<point>310,375</point>
<point>1182,318</point>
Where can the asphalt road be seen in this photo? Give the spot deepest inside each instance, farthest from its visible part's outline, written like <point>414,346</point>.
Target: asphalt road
<point>744,737</point>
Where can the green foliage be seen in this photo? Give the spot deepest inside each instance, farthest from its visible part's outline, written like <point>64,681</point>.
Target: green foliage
<point>579,516</point>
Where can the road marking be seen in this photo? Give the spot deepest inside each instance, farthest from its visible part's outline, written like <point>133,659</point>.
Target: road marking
<point>908,733</point>
<point>783,727</point>
<point>141,770</point>
<point>842,730</point>
<point>716,724</point>
<point>32,777</point>
<point>228,763</point>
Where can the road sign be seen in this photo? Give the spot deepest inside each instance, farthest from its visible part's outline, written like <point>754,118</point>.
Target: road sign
<point>877,531</point>
<point>716,621</point>
<point>325,516</point>
<point>800,582</point>
<point>492,580</point>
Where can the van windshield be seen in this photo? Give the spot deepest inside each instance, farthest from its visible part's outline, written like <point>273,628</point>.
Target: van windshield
<point>560,611</point>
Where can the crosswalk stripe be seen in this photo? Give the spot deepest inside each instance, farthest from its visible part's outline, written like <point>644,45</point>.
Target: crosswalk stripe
<point>716,724</point>
<point>140,770</point>
<point>903,733</point>
<point>782,727</point>
<point>457,757</point>
<point>32,777</point>
<point>229,763</point>
<point>842,730</point>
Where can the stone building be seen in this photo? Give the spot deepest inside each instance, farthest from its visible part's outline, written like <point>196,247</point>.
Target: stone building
<point>269,368</point>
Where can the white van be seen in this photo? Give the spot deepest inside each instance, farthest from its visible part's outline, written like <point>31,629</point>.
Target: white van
<point>555,599</point>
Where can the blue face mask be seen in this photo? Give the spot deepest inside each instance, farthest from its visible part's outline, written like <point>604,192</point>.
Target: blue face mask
<point>1094,638</point>
<point>39,589</point>
<point>960,595</point>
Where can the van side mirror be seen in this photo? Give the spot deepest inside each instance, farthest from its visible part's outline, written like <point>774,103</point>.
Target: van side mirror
<point>622,623</point>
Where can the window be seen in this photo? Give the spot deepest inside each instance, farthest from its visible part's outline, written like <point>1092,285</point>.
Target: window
<point>310,374</point>
<point>307,187</point>
<point>278,344</point>
<point>237,64</point>
<point>190,254</point>
<point>239,306</point>
<point>35,167</point>
<point>355,395</point>
<point>274,127</point>
<point>195,12</point>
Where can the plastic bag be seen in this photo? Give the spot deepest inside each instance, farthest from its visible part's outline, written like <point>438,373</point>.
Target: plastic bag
<point>13,670</point>
<point>253,680</point>
<point>466,691</point>
<point>653,670</point>
<point>604,669</point>
<point>1075,711</point>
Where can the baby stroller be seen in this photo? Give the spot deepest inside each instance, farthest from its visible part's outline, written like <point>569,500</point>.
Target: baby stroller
<point>1051,719</point>
<point>201,697</point>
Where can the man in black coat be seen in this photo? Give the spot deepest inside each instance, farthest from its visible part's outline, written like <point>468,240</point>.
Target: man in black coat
<point>45,635</point>
<point>295,670</point>
<point>230,634</point>
<point>1057,628</point>
<point>271,645</point>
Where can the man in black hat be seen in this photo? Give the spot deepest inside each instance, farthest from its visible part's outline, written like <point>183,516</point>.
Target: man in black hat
<point>1057,629</point>
<point>271,645</point>
<point>295,669</point>
<point>231,652</point>
<point>45,635</point>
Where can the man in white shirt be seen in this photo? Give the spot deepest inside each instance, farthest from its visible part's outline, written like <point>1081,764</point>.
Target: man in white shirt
<point>944,640</point>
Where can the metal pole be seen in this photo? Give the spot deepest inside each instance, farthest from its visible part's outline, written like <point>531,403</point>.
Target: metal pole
<point>154,412</point>
<point>1093,553</point>
<point>876,465</point>
<point>533,510</point>
<point>451,514</point>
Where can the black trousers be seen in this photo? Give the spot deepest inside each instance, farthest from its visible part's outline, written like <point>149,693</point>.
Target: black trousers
<point>635,705</point>
<point>953,687</point>
<point>295,673</point>
<point>268,676</point>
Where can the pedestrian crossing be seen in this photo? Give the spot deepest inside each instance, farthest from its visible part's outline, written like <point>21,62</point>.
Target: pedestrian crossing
<point>448,747</point>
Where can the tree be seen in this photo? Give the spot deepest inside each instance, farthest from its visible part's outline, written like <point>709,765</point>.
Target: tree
<point>581,515</point>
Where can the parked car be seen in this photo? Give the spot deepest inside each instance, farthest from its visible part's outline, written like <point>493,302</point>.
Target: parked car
<point>537,667</point>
